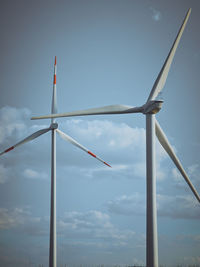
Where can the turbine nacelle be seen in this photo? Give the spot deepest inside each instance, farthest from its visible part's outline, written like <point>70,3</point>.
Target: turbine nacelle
<point>152,107</point>
<point>53,126</point>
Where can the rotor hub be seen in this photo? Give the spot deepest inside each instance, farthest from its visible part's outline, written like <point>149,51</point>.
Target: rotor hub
<point>54,125</point>
<point>152,107</point>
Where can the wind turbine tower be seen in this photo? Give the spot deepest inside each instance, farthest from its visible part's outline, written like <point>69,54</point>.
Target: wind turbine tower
<point>152,106</point>
<point>54,129</point>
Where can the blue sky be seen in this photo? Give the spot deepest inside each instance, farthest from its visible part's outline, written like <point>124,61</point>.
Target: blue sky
<point>108,52</point>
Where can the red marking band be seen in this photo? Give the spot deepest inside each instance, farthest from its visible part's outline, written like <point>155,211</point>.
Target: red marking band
<point>7,150</point>
<point>92,154</point>
<point>54,80</point>
<point>55,60</point>
<point>107,164</point>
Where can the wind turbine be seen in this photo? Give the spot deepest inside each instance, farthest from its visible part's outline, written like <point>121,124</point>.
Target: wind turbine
<point>149,109</point>
<point>54,129</point>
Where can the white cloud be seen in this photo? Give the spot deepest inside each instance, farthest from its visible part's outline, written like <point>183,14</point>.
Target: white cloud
<point>193,169</point>
<point>22,220</point>
<point>92,225</point>
<point>161,156</point>
<point>12,121</point>
<point>176,174</point>
<point>32,174</point>
<point>156,14</point>
<point>193,173</point>
<point>175,207</point>
<point>15,125</point>
<point>131,171</point>
<point>128,205</point>
<point>178,207</point>
<point>12,218</point>
<point>93,231</point>
<point>122,146</point>
<point>117,135</point>
<point>117,143</point>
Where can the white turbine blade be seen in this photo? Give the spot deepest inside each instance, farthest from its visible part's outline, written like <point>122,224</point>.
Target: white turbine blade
<point>27,139</point>
<point>54,97</point>
<point>161,79</point>
<point>74,142</point>
<point>166,145</point>
<point>113,109</point>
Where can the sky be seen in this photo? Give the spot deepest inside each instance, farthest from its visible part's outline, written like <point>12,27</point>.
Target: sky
<point>108,52</point>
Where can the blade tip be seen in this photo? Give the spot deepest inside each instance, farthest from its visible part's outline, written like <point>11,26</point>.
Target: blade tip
<point>189,11</point>
<point>34,118</point>
<point>107,164</point>
<point>55,61</point>
<point>9,149</point>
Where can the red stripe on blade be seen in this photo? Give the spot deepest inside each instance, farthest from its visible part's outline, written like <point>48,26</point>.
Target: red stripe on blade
<point>54,80</point>
<point>92,154</point>
<point>55,60</point>
<point>107,164</point>
<point>7,150</point>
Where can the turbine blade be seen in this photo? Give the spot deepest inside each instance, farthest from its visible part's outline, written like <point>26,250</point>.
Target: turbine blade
<point>161,79</point>
<point>74,142</point>
<point>54,97</point>
<point>113,109</point>
<point>166,145</point>
<point>27,139</point>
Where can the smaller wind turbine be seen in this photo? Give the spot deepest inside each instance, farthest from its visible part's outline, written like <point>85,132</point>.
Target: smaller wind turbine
<point>54,129</point>
<point>149,109</point>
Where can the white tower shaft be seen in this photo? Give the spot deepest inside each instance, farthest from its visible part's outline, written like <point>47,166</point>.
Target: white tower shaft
<point>52,248</point>
<point>151,224</point>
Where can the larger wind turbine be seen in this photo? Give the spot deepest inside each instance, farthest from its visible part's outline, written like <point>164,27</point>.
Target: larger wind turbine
<point>53,128</point>
<point>149,109</point>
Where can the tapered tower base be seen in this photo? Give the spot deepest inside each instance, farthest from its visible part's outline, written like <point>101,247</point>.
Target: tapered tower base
<point>151,224</point>
<point>52,247</point>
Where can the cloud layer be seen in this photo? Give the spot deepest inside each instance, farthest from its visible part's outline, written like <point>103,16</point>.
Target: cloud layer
<point>99,208</point>
<point>175,207</point>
